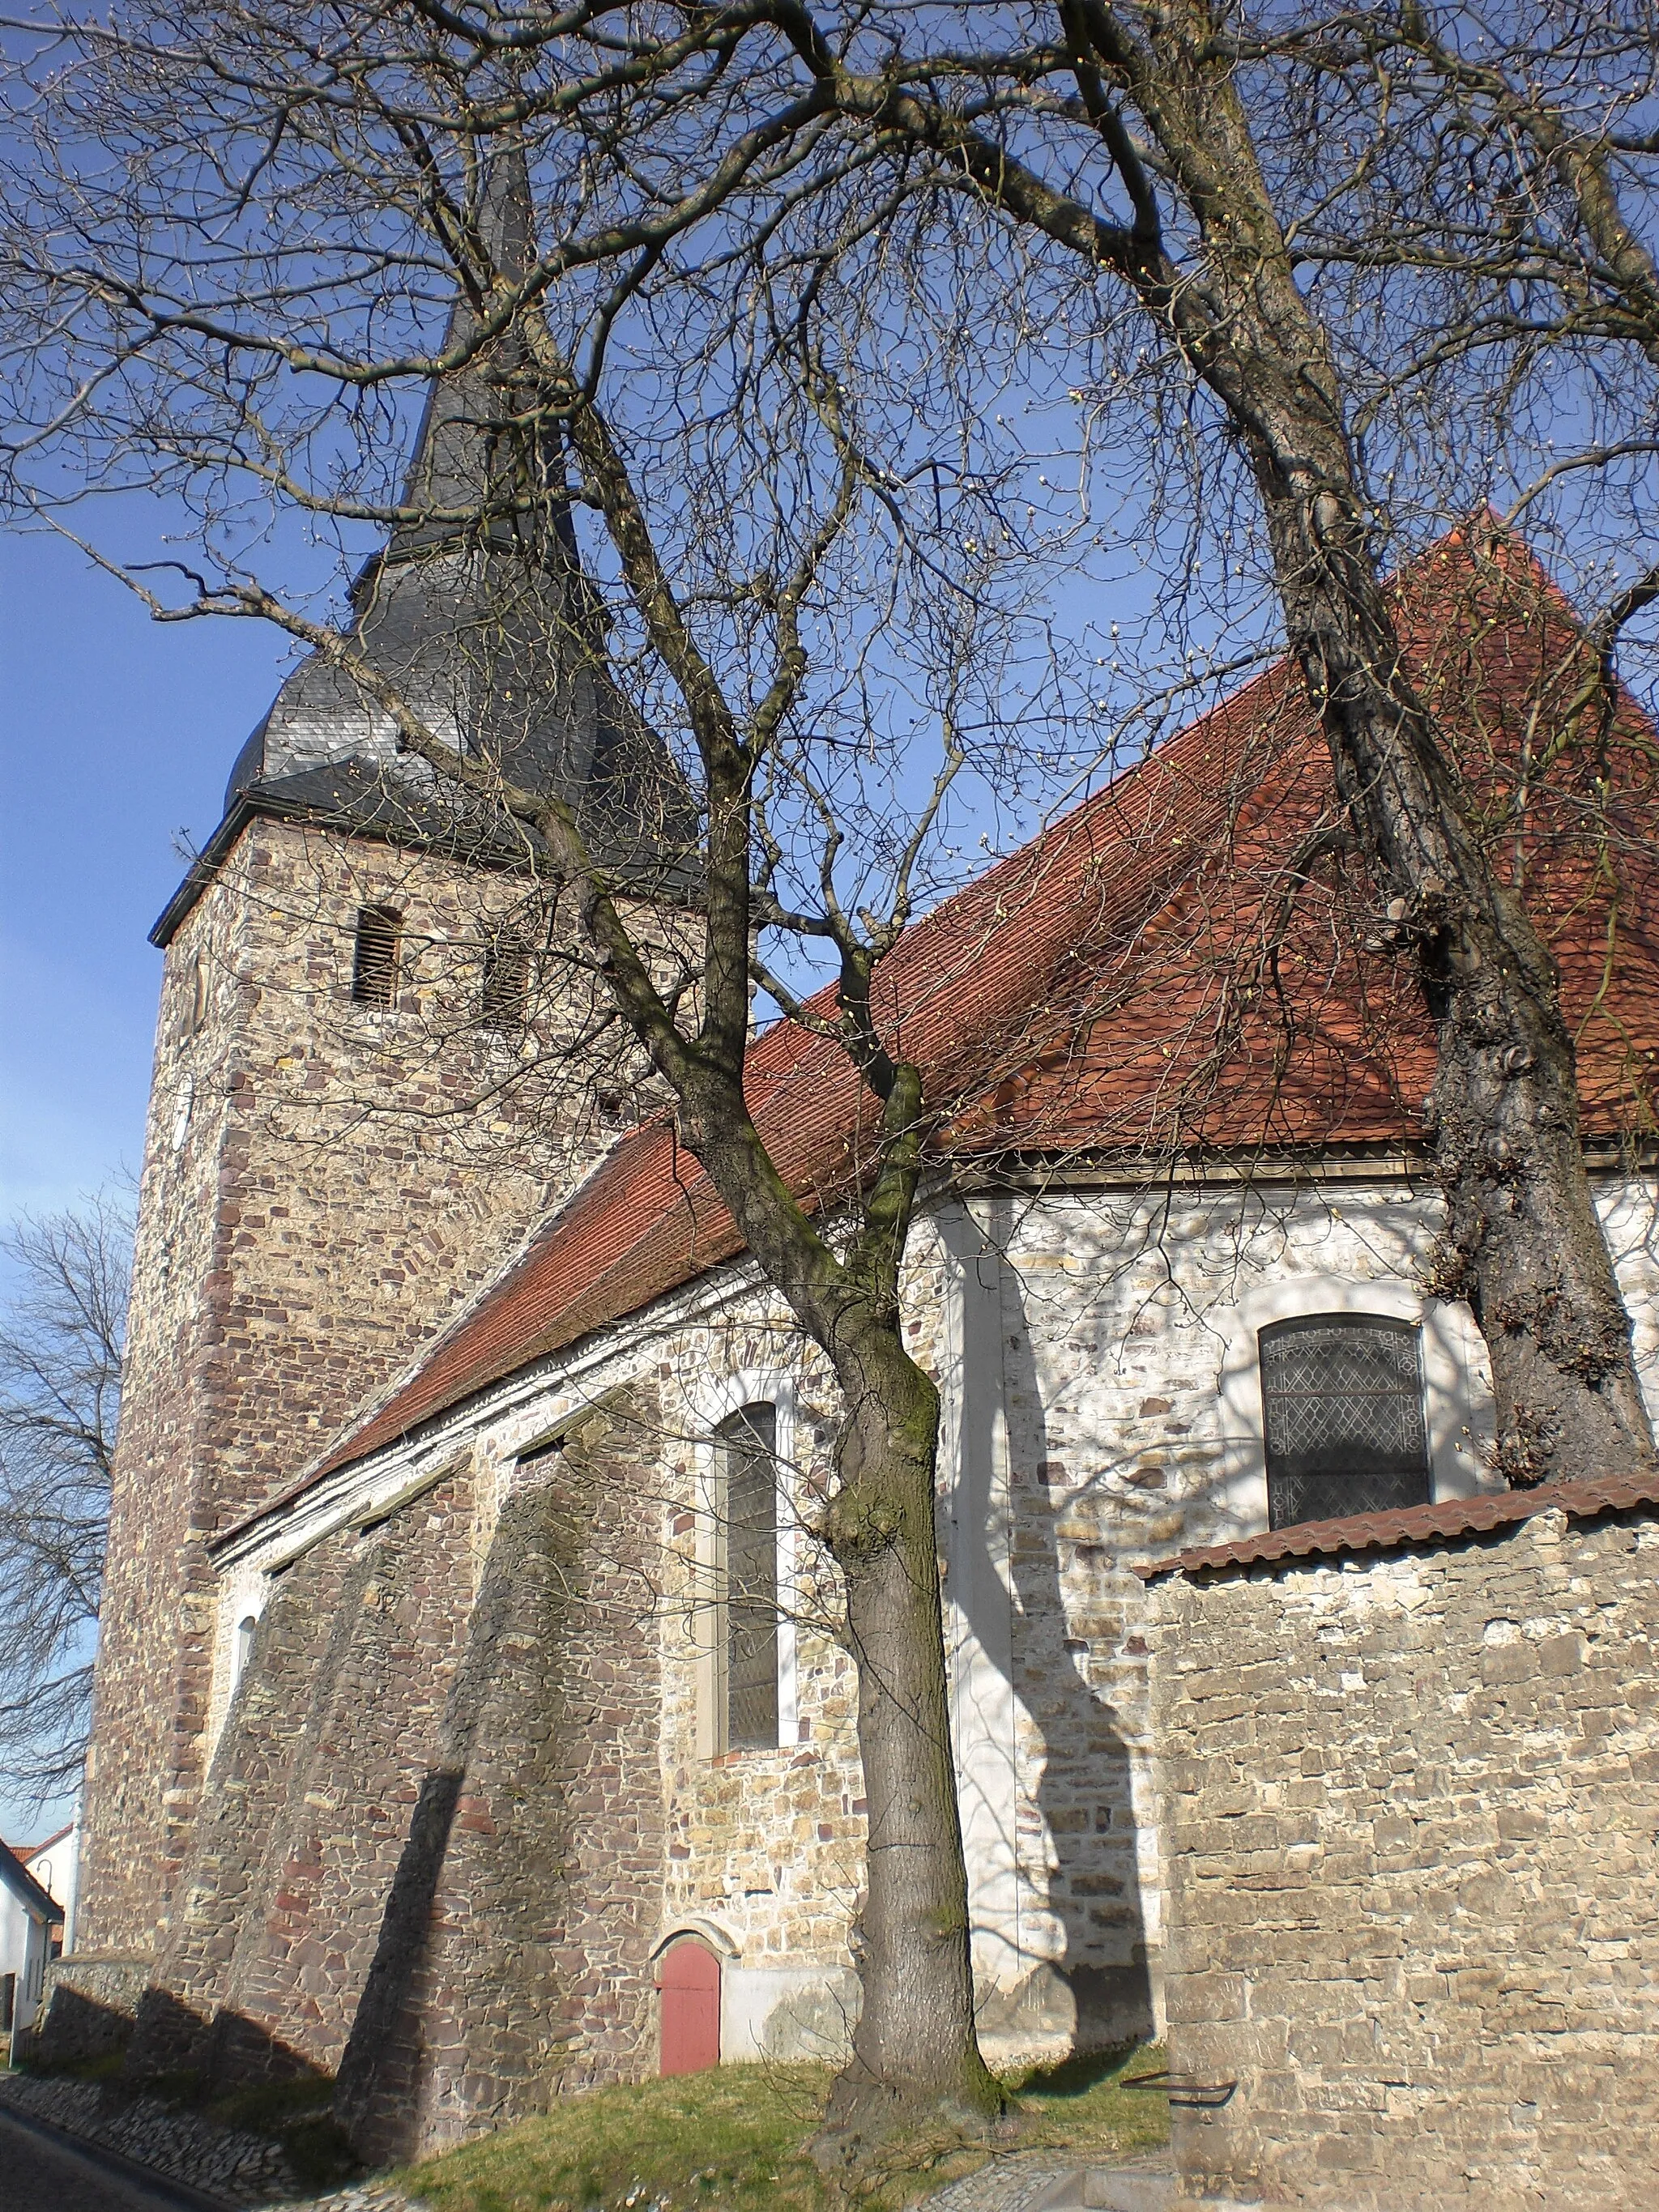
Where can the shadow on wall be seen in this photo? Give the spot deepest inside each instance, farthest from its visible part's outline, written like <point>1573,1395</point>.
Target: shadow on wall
<point>380,2085</point>
<point>78,2027</point>
<point>1094,1992</point>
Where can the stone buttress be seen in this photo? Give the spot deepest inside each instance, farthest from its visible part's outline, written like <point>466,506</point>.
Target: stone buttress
<point>430,1850</point>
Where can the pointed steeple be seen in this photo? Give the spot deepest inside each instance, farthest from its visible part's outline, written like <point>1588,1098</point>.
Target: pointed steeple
<point>473,463</point>
<point>478,611</point>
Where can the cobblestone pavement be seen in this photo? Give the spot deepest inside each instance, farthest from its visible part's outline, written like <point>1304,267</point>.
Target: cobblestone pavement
<point>1021,2182</point>
<point>41,2173</point>
<point>1014,2184</point>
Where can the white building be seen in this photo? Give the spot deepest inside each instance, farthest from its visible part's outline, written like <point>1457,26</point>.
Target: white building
<point>55,1863</point>
<point>29,1919</point>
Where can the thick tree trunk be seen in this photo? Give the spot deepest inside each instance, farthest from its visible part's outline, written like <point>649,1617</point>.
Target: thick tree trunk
<point>1524,1243</point>
<point>915,2048</point>
<point>1525,1246</point>
<point>916,2053</point>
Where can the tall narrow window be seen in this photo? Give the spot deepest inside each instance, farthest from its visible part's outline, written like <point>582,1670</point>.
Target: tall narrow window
<point>1342,1404</point>
<point>199,994</point>
<point>506,983</point>
<point>374,959</point>
<point>245,1629</point>
<point>748,1444</point>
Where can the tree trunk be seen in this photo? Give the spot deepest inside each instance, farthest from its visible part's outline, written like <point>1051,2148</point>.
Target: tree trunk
<point>1524,1243</point>
<point>916,2053</point>
<point>916,2050</point>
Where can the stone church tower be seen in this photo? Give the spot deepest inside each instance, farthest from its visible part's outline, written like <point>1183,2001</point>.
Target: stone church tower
<point>378,1061</point>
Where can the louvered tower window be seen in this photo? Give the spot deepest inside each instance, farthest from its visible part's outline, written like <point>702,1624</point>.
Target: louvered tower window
<point>374,957</point>
<point>1342,1401</point>
<point>748,1443</point>
<point>506,983</point>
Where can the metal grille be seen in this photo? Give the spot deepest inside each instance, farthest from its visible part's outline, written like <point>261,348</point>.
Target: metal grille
<point>506,983</point>
<point>374,957</point>
<point>1343,1403</point>
<point>748,1441</point>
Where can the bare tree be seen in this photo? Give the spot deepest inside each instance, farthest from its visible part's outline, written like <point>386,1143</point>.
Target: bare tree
<point>60,1397</point>
<point>669,495</point>
<point>738,367</point>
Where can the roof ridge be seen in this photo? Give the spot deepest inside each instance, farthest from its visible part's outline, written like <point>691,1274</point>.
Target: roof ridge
<point>984,970</point>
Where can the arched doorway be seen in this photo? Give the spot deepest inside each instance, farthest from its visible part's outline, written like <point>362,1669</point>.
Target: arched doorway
<point>689,1977</point>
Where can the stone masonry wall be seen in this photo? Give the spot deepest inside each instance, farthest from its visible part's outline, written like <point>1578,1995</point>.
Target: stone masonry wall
<point>331,1746</point>
<point>1094,1385</point>
<point>1411,1804</point>
<point>261,1763</point>
<point>431,1849</point>
<point>514,1958</point>
<point>324,1183</point>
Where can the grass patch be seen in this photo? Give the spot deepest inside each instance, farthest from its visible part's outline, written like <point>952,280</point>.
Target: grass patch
<point>298,2115</point>
<point>735,2140</point>
<point>105,2067</point>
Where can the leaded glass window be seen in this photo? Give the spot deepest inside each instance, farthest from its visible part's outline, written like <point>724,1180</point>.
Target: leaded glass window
<point>1342,1402</point>
<point>748,1449</point>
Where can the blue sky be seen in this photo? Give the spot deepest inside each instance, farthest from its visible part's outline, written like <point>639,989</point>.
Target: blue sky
<point>116,736</point>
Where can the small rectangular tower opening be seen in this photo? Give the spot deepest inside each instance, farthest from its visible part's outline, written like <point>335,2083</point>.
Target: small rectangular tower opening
<point>374,957</point>
<point>505,998</point>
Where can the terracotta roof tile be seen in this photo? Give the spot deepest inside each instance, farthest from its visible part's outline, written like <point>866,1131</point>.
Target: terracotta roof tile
<point>1137,980</point>
<point>1415,1526</point>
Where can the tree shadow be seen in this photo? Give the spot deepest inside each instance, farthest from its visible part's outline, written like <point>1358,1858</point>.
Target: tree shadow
<point>1074,1853</point>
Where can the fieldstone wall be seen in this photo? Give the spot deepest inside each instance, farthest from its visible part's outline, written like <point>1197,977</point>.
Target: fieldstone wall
<point>89,2001</point>
<point>1411,1803</point>
<point>514,1958</point>
<point>430,1853</point>
<point>313,1204</point>
<point>319,1773</point>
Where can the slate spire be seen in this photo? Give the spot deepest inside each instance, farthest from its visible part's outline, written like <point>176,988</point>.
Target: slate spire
<point>474,463</point>
<point>478,609</point>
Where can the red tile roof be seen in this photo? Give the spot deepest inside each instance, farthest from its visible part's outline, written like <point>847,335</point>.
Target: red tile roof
<point>1139,980</point>
<point>1416,1525</point>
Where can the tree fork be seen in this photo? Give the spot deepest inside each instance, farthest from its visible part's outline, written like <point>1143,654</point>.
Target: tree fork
<point>1525,1245</point>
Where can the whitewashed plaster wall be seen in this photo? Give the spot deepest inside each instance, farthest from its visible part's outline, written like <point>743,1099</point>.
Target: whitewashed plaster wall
<point>1095,1353</point>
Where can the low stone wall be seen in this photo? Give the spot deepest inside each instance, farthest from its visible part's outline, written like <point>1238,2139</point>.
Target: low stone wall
<point>88,2006</point>
<point>239,2169</point>
<point>1411,1802</point>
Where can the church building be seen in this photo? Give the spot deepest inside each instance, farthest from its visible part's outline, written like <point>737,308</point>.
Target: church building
<point>471,1721</point>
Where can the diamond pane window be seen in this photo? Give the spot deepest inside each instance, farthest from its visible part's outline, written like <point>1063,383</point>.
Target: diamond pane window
<point>1342,1401</point>
<point>749,1446</point>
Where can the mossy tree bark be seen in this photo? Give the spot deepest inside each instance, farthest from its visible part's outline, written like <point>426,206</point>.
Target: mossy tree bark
<point>1524,1243</point>
<point>916,2050</point>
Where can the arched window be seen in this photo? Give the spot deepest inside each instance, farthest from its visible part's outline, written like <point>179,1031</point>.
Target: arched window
<point>1342,1409</point>
<point>245,1629</point>
<point>374,956</point>
<point>747,1443</point>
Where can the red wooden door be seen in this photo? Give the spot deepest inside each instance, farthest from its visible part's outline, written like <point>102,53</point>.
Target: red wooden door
<point>690,1979</point>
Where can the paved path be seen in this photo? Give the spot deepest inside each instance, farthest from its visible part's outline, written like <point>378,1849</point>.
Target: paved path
<point>1031,2181</point>
<point>44,2170</point>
